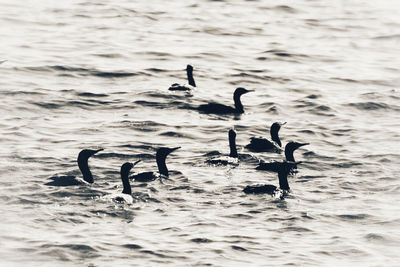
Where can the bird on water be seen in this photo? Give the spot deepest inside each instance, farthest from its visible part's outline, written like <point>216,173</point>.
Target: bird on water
<point>274,166</point>
<point>161,156</point>
<point>259,144</point>
<point>192,83</point>
<point>283,169</point>
<point>126,195</point>
<point>233,155</point>
<point>83,164</point>
<point>216,108</point>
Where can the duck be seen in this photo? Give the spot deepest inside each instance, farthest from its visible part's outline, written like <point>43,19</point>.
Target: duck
<point>216,108</point>
<point>83,158</point>
<point>283,169</point>
<point>259,144</point>
<point>161,156</point>
<point>232,159</point>
<point>126,195</point>
<point>274,166</point>
<point>192,83</point>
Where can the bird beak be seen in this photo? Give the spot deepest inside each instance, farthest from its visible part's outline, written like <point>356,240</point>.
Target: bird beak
<point>248,91</point>
<point>303,144</point>
<point>136,162</point>
<point>283,123</point>
<point>98,150</point>
<point>175,148</point>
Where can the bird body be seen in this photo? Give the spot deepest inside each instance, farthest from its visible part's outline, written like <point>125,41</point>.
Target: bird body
<point>192,84</point>
<point>83,165</point>
<point>259,144</point>
<point>283,172</point>
<point>232,159</point>
<point>161,156</point>
<point>274,166</point>
<point>216,108</point>
<point>126,195</point>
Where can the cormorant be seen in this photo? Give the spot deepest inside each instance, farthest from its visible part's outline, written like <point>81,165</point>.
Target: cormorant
<point>274,166</point>
<point>179,87</point>
<point>161,155</point>
<point>216,108</point>
<point>259,144</point>
<point>233,155</point>
<point>126,195</point>
<point>83,158</point>
<point>283,170</point>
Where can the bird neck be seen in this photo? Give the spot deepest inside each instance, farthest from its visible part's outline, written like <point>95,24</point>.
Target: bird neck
<point>232,145</point>
<point>289,155</point>
<point>238,103</point>
<point>283,181</point>
<point>275,137</point>
<point>125,182</point>
<point>190,78</point>
<point>162,167</point>
<point>84,167</point>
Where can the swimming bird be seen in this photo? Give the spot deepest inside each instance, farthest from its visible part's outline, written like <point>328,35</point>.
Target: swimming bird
<point>283,171</point>
<point>216,108</point>
<point>192,84</point>
<point>259,144</point>
<point>233,155</point>
<point>161,156</point>
<point>126,195</point>
<point>83,164</point>
<point>274,166</point>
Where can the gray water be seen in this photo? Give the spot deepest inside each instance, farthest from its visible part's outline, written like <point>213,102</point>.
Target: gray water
<point>87,74</point>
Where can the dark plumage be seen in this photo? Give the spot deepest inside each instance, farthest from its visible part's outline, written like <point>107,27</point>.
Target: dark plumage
<point>233,155</point>
<point>258,144</point>
<point>274,166</point>
<point>283,169</point>
<point>83,165</point>
<point>216,108</point>
<point>179,87</point>
<point>127,191</point>
<point>161,156</point>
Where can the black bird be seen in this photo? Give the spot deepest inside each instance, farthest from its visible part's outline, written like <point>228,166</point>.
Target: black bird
<point>259,144</point>
<point>233,155</point>
<point>161,156</point>
<point>284,169</point>
<point>274,166</point>
<point>83,164</point>
<point>216,108</point>
<point>179,87</point>
<point>126,195</point>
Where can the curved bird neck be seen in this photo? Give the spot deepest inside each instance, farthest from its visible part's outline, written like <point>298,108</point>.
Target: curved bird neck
<point>238,103</point>
<point>289,155</point>
<point>84,167</point>
<point>190,78</point>
<point>283,181</point>
<point>275,136</point>
<point>232,146</point>
<point>162,167</point>
<point>125,182</point>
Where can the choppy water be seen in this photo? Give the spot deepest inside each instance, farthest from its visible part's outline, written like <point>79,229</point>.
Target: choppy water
<point>86,74</point>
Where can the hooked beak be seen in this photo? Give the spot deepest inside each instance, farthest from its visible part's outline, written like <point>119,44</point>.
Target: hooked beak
<point>283,123</point>
<point>302,144</point>
<point>175,148</point>
<point>136,162</point>
<point>248,91</point>
<point>98,150</point>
